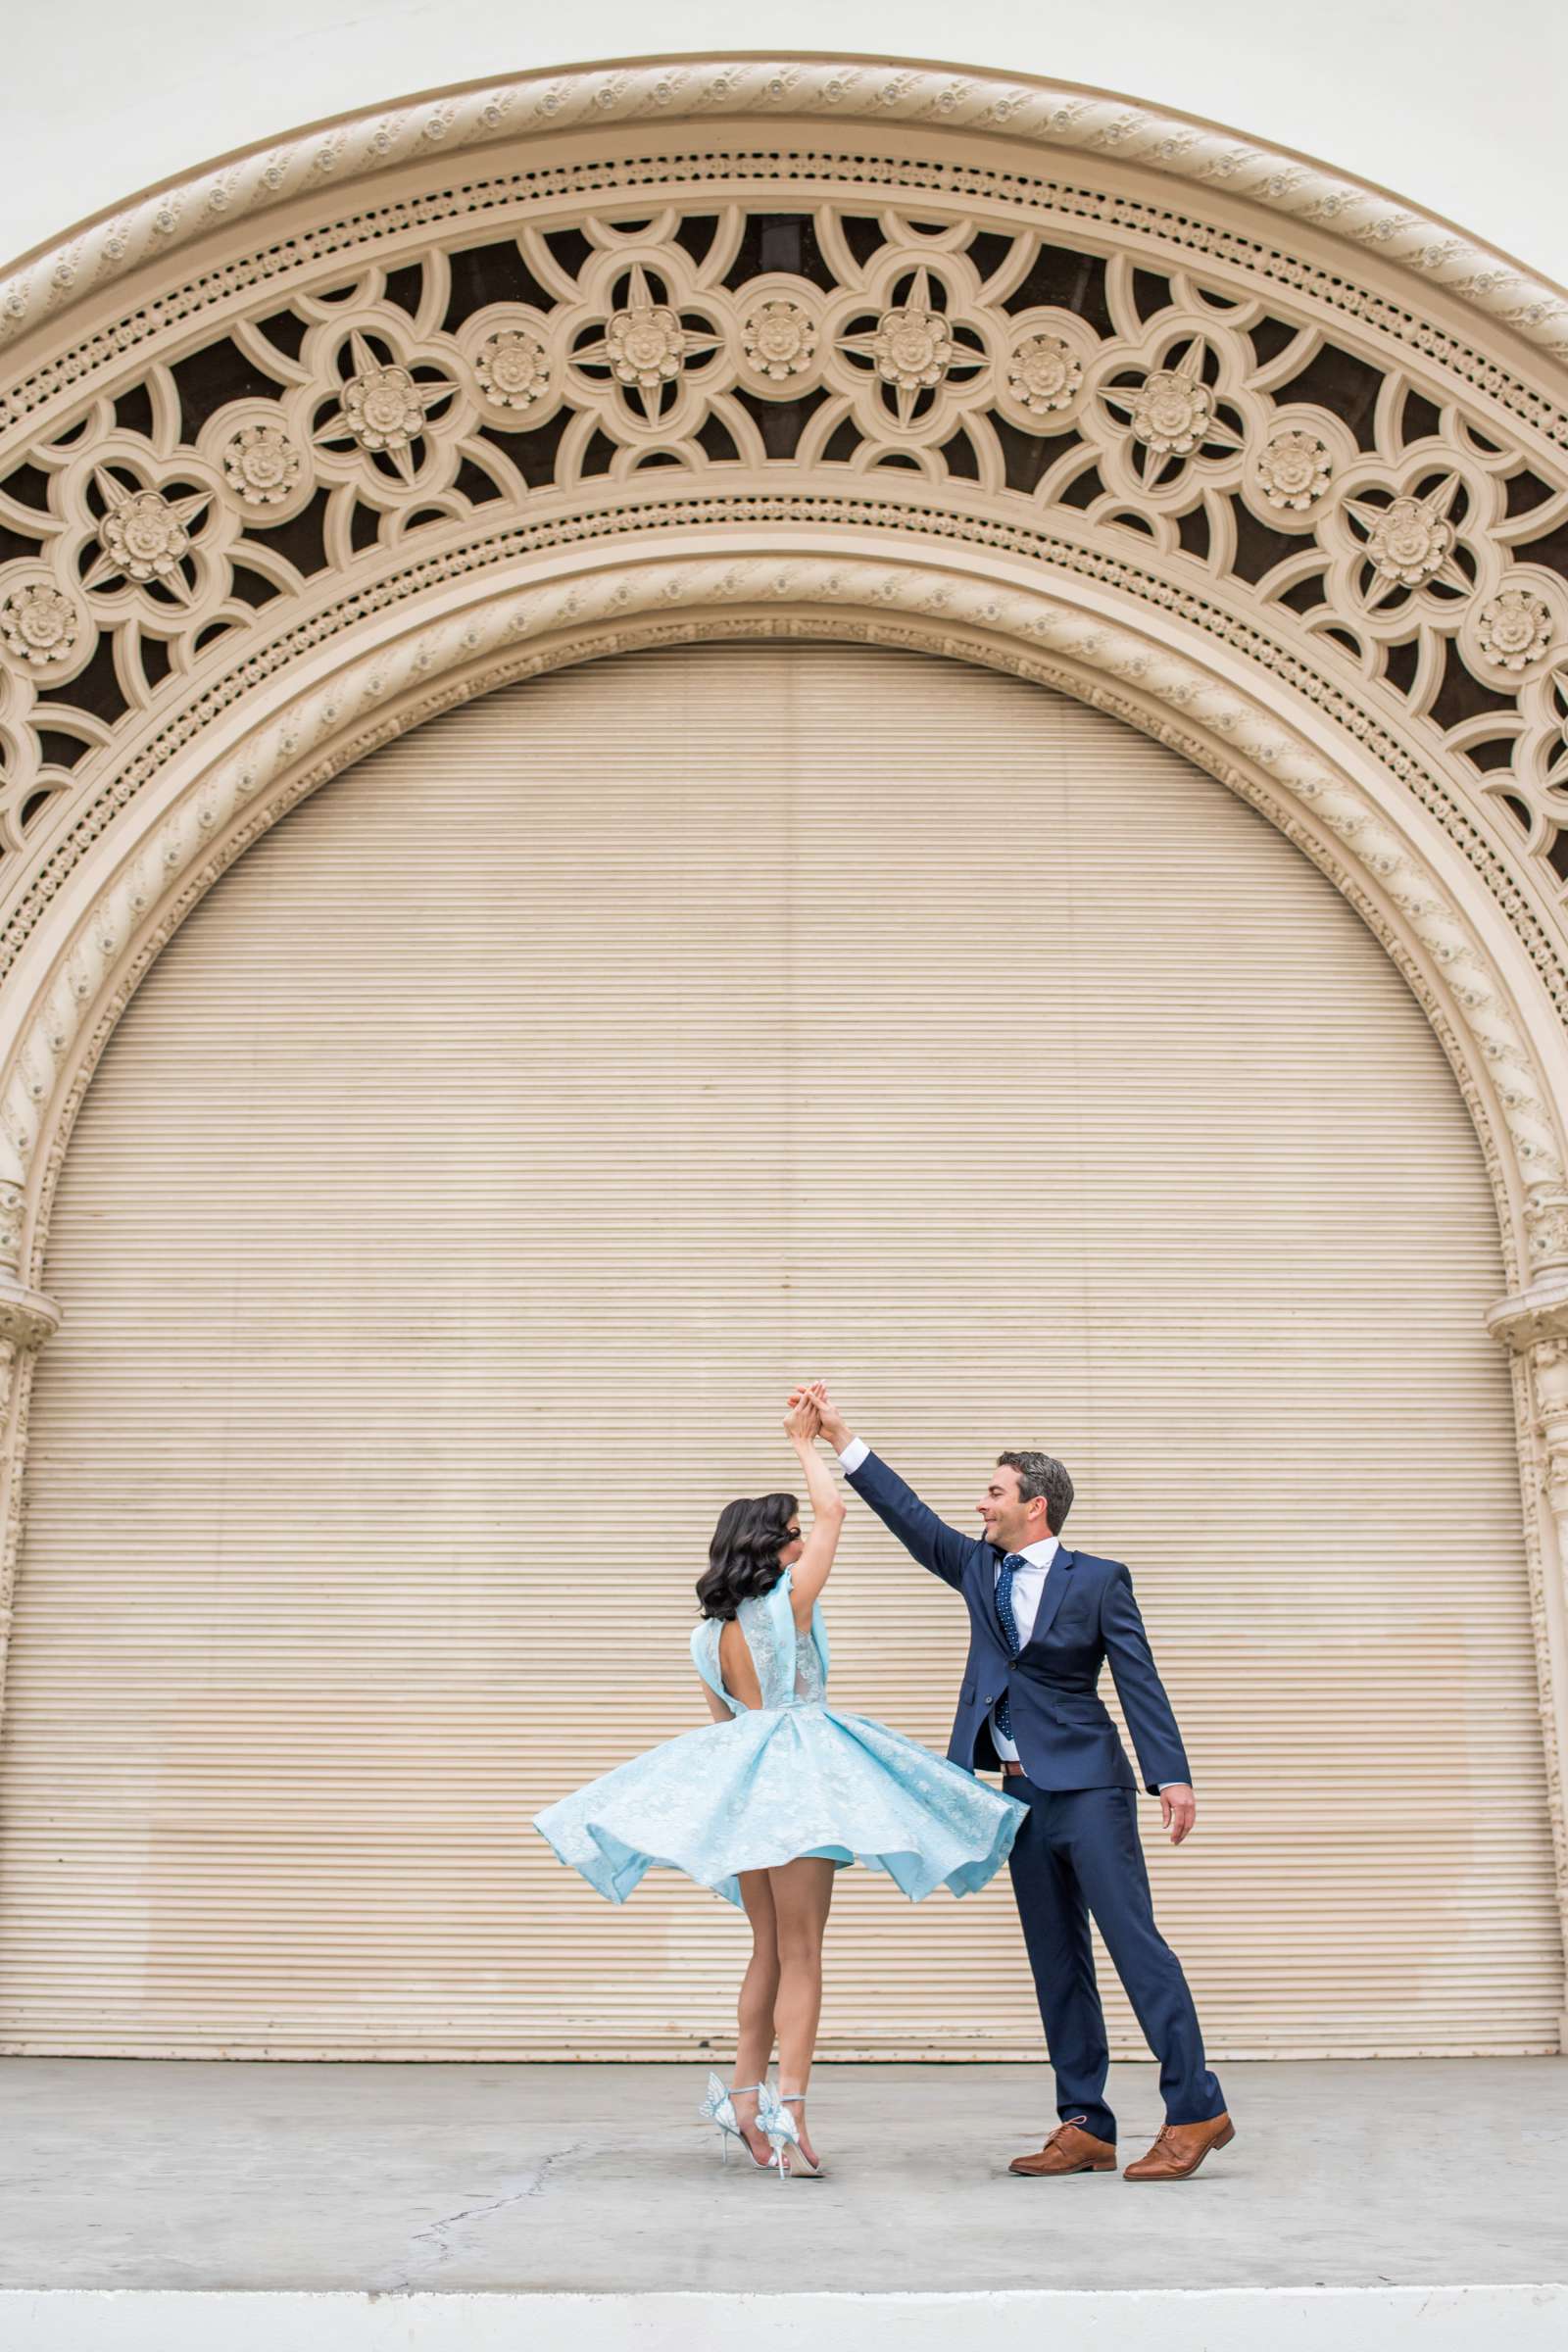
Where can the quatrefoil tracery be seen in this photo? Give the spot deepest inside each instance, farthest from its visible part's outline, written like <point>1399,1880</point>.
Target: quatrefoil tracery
<point>1171,414</point>
<point>1388,534</point>
<point>913,348</point>
<point>645,346</point>
<point>383,409</point>
<point>1409,542</point>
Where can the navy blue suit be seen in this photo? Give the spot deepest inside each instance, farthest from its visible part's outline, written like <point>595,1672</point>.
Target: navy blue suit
<point>1078,1853</point>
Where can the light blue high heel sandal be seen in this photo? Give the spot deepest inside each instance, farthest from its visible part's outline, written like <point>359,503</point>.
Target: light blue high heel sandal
<point>781,2132</point>
<point>718,2108</point>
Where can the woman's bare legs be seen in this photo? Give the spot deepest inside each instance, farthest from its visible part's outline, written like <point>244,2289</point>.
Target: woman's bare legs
<point>754,2046</point>
<point>801,1892</point>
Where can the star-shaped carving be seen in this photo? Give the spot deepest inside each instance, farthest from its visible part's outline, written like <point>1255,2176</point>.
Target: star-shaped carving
<point>143,536</point>
<point>645,346</point>
<point>1409,543</point>
<point>381,408</point>
<point>912,347</point>
<point>1171,412</point>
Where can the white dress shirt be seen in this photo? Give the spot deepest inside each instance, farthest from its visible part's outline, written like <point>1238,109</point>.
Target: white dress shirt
<point>1028,1583</point>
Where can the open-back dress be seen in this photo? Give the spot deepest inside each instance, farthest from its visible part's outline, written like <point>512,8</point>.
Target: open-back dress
<point>789,1778</point>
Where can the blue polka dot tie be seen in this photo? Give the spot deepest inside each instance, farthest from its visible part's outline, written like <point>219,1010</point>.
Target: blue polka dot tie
<point>1009,1626</point>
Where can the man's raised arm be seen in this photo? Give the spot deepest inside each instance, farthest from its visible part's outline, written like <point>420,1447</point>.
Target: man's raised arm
<point>935,1544</point>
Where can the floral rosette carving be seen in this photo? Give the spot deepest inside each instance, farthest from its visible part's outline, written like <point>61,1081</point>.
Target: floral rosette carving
<point>144,537</point>
<point>648,346</point>
<point>1295,461</point>
<point>780,332</point>
<point>1294,470</point>
<point>646,336</point>
<point>1516,628</point>
<point>1042,374</point>
<point>150,535</point>
<point>512,357</point>
<point>512,369</point>
<point>381,410</point>
<point>45,632</point>
<point>1041,380</point>
<point>912,351</point>
<point>1409,542</point>
<point>266,469</point>
<point>1173,403</point>
<point>1411,546</point>
<point>261,464</point>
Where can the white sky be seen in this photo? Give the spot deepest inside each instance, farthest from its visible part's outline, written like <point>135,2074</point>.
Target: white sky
<point>1455,106</point>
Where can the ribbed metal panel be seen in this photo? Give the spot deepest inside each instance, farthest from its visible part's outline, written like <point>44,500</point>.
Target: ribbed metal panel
<point>454,1205</point>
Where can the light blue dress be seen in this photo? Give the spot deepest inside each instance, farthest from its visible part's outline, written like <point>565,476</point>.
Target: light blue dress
<point>787,1778</point>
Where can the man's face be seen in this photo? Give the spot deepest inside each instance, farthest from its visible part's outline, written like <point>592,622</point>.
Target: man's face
<point>1009,1523</point>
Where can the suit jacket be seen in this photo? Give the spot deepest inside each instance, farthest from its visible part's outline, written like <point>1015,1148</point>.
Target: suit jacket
<point>1060,1726</point>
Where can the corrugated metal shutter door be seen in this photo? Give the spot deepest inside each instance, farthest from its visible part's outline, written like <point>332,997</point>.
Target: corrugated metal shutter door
<point>451,1209</point>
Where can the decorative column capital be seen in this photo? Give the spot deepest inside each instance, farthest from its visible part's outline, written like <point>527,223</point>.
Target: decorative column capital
<point>1533,1318</point>
<point>26,1317</point>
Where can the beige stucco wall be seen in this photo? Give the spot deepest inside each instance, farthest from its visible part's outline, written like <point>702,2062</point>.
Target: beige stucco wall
<point>1417,837</point>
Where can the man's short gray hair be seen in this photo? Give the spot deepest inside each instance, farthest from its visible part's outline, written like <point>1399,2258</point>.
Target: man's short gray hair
<point>1042,1474</point>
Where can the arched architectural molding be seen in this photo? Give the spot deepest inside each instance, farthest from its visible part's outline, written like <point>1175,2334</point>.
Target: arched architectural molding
<point>470,123</point>
<point>1299,513</point>
<point>314,718</point>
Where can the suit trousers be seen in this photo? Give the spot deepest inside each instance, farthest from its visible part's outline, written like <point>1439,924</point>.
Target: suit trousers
<point>1078,1855</point>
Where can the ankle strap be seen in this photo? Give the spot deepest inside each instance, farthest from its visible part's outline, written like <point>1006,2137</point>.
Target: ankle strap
<point>792,2098</point>
<point>736,2087</point>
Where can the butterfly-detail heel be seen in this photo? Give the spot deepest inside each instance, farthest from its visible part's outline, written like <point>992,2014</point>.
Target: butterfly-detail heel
<point>782,2132</point>
<point>718,2108</point>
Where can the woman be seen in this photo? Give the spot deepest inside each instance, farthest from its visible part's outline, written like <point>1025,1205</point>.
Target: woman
<point>767,1802</point>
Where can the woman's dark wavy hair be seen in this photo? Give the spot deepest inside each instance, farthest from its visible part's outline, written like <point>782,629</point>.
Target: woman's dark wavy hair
<point>743,1557</point>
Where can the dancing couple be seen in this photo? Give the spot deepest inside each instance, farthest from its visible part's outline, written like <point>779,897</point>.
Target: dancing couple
<point>779,1791</point>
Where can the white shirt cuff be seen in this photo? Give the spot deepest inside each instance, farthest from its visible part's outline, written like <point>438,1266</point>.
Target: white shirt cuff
<point>854,1454</point>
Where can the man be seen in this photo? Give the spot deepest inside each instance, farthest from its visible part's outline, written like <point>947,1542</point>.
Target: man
<point>1041,1622</point>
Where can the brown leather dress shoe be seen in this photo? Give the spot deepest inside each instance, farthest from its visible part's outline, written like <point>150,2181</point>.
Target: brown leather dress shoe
<point>1180,2148</point>
<point>1067,2150</point>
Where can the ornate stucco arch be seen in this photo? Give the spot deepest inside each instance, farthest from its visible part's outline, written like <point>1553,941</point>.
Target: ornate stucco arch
<point>300,451</point>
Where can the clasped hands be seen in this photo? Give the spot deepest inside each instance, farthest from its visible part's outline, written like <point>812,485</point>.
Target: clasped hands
<point>812,1414</point>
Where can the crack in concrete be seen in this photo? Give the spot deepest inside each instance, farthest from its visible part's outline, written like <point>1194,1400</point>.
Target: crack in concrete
<point>541,2178</point>
<point>439,2234</point>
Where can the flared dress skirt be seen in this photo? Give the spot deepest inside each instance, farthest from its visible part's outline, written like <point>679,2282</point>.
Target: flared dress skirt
<point>776,1784</point>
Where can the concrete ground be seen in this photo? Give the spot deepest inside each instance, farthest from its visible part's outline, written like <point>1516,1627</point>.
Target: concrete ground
<point>599,2180</point>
